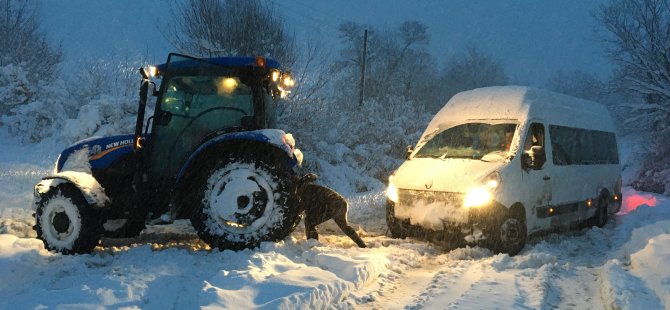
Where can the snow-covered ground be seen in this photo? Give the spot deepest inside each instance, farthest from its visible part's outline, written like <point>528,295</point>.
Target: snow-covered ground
<point>621,266</point>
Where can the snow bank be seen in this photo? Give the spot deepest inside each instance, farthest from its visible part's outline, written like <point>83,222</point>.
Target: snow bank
<point>285,275</point>
<point>622,290</point>
<point>651,264</point>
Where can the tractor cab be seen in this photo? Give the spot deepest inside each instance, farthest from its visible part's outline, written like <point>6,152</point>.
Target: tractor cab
<point>199,99</point>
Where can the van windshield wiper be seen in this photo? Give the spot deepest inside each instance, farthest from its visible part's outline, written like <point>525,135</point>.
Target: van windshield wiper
<point>427,156</point>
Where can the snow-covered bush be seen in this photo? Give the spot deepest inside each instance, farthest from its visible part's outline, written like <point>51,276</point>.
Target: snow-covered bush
<point>104,116</point>
<point>32,110</point>
<point>362,144</point>
<point>113,76</point>
<point>15,88</point>
<point>100,100</point>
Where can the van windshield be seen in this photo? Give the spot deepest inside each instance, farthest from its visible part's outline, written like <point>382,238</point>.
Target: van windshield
<point>487,142</point>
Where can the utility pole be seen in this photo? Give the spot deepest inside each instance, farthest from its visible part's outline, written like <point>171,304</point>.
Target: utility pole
<point>365,54</point>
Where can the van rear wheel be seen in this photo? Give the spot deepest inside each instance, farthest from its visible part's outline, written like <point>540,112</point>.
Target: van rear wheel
<point>601,216</point>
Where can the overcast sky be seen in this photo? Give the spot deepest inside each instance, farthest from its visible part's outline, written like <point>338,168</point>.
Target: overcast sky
<point>532,38</point>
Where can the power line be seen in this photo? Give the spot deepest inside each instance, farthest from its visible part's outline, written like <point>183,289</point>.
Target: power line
<point>304,16</point>
<point>338,18</point>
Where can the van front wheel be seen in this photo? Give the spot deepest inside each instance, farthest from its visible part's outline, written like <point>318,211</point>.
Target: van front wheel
<point>512,232</point>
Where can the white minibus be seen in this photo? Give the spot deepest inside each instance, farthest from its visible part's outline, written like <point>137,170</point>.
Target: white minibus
<point>497,164</point>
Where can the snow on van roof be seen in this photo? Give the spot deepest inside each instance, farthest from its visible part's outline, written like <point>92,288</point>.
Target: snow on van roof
<point>519,104</point>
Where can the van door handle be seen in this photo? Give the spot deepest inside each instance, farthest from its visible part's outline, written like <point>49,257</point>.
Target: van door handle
<point>546,178</point>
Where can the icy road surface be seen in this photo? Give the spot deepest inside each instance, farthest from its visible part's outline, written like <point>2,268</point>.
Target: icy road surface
<point>622,266</point>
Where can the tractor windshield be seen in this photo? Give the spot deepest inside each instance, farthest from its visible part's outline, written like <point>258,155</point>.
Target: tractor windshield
<point>199,100</point>
<point>207,102</point>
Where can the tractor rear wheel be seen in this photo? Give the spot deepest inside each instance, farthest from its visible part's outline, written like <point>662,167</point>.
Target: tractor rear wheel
<point>242,200</point>
<point>65,222</point>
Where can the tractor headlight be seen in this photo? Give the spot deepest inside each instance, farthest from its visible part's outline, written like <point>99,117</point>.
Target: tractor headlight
<point>392,191</point>
<point>483,194</point>
<point>153,71</point>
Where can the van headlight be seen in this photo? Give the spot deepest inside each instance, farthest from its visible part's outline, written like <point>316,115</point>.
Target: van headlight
<point>392,191</point>
<point>477,197</point>
<point>483,194</point>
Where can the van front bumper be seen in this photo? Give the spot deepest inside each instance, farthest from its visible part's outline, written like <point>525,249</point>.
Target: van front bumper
<point>471,225</point>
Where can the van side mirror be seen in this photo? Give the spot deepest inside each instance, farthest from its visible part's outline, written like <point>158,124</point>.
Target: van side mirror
<point>409,151</point>
<point>533,159</point>
<point>526,160</point>
<point>539,157</point>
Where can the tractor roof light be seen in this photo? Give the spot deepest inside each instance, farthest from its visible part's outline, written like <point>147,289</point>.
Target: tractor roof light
<point>275,75</point>
<point>287,80</point>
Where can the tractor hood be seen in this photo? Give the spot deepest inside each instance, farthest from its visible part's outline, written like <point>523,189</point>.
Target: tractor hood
<point>443,175</point>
<point>102,151</point>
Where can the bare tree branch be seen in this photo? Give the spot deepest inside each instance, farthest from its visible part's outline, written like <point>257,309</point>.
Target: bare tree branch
<point>231,27</point>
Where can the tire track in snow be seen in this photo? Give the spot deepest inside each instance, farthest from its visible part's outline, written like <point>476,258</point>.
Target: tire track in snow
<point>413,267</point>
<point>448,284</point>
<point>576,288</point>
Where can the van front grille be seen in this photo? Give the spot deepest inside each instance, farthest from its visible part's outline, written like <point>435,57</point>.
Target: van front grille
<point>409,197</point>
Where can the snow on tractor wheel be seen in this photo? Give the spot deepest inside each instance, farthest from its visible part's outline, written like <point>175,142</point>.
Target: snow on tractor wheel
<point>65,222</point>
<point>241,201</point>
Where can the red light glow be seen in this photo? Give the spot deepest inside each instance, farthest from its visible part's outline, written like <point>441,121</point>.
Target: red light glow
<point>632,201</point>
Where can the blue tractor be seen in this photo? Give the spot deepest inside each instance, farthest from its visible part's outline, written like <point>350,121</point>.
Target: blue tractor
<point>207,154</point>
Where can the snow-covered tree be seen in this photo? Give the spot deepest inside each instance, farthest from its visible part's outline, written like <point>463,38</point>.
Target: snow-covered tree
<point>577,83</point>
<point>31,98</point>
<point>230,27</point>
<point>23,43</point>
<point>398,63</point>
<point>636,35</point>
<point>468,70</point>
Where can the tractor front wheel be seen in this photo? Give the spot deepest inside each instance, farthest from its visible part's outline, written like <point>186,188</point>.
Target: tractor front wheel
<point>65,222</point>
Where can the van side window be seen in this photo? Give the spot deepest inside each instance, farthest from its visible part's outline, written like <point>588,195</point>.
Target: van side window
<point>534,144</point>
<point>576,146</point>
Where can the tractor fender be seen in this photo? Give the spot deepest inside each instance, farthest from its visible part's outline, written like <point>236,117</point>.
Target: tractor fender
<point>86,183</point>
<point>273,137</point>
